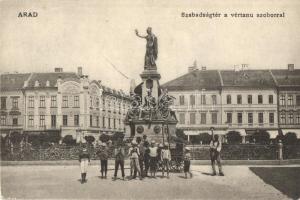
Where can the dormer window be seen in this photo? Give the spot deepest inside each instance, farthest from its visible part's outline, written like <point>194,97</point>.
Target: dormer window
<point>36,84</point>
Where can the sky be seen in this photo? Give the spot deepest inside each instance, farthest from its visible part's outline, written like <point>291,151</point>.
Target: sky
<point>98,34</point>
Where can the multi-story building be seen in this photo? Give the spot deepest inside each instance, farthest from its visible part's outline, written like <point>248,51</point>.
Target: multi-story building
<point>198,101</point>
<point>115,105</point>
<point>249,101</point>
<point>60,102</point>
<point>12,103</point>
<point>288,85</point>
<point>243,101</point>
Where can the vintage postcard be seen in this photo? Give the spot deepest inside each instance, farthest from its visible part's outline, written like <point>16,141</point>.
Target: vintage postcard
<point>150,99</point>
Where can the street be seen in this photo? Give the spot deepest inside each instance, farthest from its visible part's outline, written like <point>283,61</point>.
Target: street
<point>44,182</point>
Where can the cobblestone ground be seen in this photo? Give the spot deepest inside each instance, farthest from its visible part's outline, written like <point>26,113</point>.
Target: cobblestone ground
<point>53,182</point>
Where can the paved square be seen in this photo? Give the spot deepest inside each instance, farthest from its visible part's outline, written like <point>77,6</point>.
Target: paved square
<point>63,182</point>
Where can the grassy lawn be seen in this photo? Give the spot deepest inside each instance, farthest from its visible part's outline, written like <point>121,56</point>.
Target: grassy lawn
<point>284,179</point>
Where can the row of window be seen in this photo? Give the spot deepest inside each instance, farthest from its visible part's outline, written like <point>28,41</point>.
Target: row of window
<point>239,99</point>
<point>14,102</point>
<point>76,121</point>
<point>289,101</point>
<point>214,119</point>
<point>193,100</point>
<point>94,102</point>
<point>250,118</point>
<point>3,120</point>
<point>289,118</point>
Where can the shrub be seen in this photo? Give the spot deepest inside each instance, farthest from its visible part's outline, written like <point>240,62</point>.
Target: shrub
<point>234,137</point>
<point>205,138</point>
<point>290,138</point>
<point>118,136</point>
<point>90,139</point>
<point>104,138</point>
<point>68,140</point>
<point>16,138</point>
<point>180,134</point>
<point>195,139</point>
<point>261,137</point>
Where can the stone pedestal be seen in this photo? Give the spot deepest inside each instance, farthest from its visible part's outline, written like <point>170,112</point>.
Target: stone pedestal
<point>150,80</point>
<point>155,127</point>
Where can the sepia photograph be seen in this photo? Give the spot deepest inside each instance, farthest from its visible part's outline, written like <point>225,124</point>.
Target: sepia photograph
<point>150,99</point>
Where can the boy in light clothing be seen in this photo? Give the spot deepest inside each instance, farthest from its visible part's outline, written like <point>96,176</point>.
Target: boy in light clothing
<point>215,155</point>
<point>187,162</point>
<point>165,158</point>
<point>134,154</point>
<point>84,159</point>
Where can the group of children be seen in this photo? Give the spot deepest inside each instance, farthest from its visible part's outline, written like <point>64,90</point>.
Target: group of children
<point>144,158</point>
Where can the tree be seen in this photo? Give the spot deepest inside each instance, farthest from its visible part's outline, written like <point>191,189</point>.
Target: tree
<point>180,134</point>
<point>234,137</point>
<point>290,138</point>
<point>68,140</point>
<point>90,139</point>
<point>261,137</point>
<point>118,136</point>
<point>205,138</point>
<point>104,138</point>
<point>16,138</point>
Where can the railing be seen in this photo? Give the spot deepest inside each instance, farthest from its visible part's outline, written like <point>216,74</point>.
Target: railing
<point>199,152</point>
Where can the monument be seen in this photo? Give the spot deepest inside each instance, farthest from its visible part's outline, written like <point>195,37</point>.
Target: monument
<point>150,113</point>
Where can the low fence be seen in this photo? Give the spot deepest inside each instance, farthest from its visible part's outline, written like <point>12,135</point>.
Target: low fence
<point>199,152</point>
<point>238,152</point>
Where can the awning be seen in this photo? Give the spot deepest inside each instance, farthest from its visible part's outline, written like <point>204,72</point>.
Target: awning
<point>296,131</point>
<point>191,132</point>
<point>241,131</point>
<point>273,133</point>
<point>220,132</point>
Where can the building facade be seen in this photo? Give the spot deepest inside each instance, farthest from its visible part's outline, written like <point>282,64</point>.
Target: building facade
<point>198,102</point>
<point>12,103</point>
<point>65,103</point>
<point>249,102</point>
<point>288,85</point>
<point>244,101</point>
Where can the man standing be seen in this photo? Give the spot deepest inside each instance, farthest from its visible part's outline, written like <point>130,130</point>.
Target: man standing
<point>215,155</point>
<point>119,153</point>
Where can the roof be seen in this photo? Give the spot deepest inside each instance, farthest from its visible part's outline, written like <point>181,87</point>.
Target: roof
<point>285,77</point>
<point>113,92</point>
<point>195,80</point>
<point>52,77</point>
<point>11,82</point>
<point>256,79</point>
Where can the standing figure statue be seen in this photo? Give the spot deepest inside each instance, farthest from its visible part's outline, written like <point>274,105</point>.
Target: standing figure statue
<point>151,49</point>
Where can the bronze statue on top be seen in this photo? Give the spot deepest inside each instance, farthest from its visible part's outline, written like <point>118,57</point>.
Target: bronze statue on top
<point>151,49</point>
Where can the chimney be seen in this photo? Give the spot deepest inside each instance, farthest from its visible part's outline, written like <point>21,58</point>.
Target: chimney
<point>25,84</point>
<point>79,71</point>
<point>193,67</point>
<point>58,69</point>
<point>291,67</point>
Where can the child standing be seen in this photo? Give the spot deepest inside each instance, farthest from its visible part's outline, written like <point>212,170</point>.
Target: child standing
<point>153,158</point>
<point>84,159</point>
<point>165,158</point>
<point>134,159</point>
<point>103,155</point>
<point>187,162</point>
